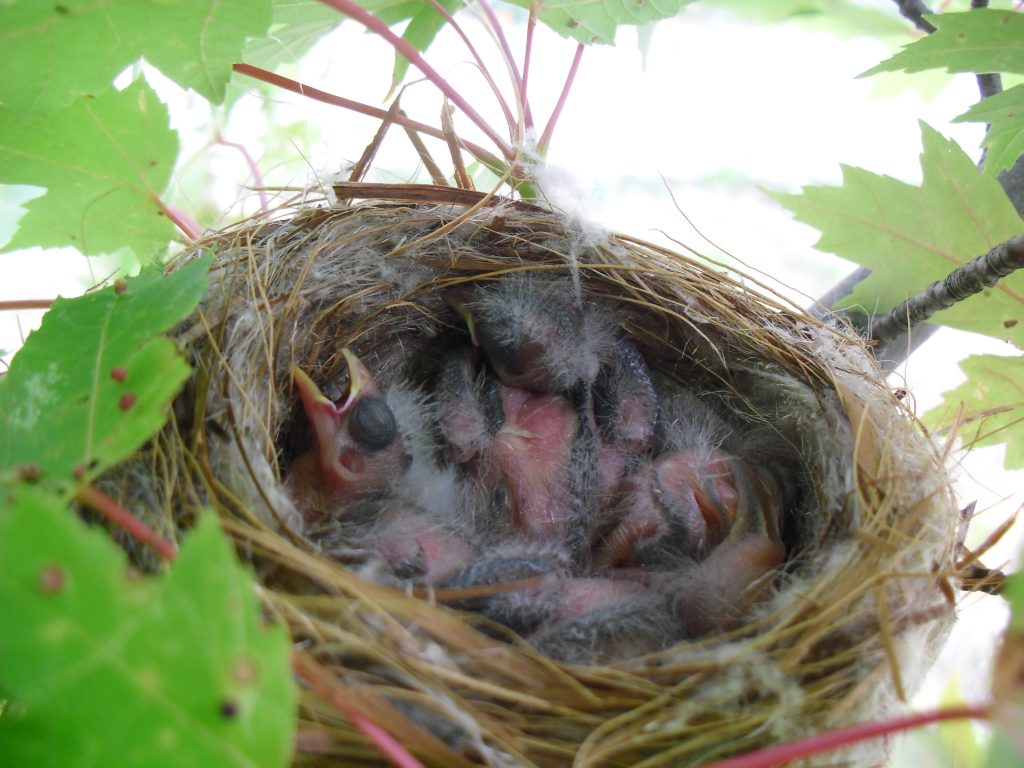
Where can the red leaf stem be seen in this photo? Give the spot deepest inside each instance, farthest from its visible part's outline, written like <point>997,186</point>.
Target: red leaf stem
<point>189,229</point>
<point>479,63</point>
<point>531,25</point>
<point>545,138</point>
<point>257,177</point>
<point>26,304</point>
<point>802,749</point>
<point>308,670</point>
<point>481,154</point>
<point>126,521</point>
<point>378,27</point>
<point>506,51</point>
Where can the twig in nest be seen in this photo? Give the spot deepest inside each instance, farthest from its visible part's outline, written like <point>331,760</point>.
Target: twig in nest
<point>971,278</point>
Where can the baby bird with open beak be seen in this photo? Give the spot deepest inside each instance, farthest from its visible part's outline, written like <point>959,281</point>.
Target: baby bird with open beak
<point>358,448</point>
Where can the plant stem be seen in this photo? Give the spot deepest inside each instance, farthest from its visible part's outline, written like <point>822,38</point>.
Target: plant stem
<point>531,24</point>
<point>257,177</point>
<point>26,304</point>
<point>481,154</point>
<point>317,677</point>
<point>549,129</point>
<point>185,224</point>
<point>506,50</point>
<point>378,27</point>
<point>509,119</point>
<point>802,749</point>
<point>126,521</point>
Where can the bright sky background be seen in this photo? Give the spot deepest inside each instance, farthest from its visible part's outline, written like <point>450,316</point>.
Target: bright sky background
<point>713,111</point>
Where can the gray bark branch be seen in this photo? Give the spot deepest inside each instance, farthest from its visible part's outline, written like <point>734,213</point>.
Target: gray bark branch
<point>971,278</point>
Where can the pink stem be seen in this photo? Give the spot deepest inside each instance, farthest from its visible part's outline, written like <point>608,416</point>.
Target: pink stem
<point>531,25</point>
<point>825,742</point>
<point>378,27</point>
<point>479,62</point>
<point>316,94</point>
<point>254,169</point>
<point>506,51</point>
<point>26,304</point>
<point>545,138</point>
<point>391,749</point>
<point>185,224</point>
<point>126,521</point>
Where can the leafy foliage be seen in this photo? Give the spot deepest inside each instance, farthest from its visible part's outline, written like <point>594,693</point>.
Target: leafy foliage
<point>993,402</point>
<point>194,42</point>
<point>595,21</point>
<point>912,236</point>
<point>838,16</point>
<point>1005,136</point>
<point>104,161</point>
<point>92,384</point>
<point>981,40</point>
<point>183,665</point>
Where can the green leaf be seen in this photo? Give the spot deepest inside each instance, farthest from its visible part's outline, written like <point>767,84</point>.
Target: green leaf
<point>595,21</point>
<point>92,384</point>
<point>105,161</point>
<point>298,25</point>
<point>423,27</point>
<point>993,405</point>
<point>913,236</point>
<point>981,40</point>
<point>1005,137</point>
<point>55,52</point>
<point>842,17</point>
<point>101,668</point>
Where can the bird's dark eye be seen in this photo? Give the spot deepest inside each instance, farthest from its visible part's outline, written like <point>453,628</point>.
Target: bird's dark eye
<point>372,424</point>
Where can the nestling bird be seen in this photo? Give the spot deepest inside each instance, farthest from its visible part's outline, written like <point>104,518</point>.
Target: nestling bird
<point>514,440</point>
<point>360,448</point>
<point>600,620</point>
<point>535,332</point>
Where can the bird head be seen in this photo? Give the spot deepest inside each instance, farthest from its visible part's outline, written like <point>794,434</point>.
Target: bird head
<point>358,446</point>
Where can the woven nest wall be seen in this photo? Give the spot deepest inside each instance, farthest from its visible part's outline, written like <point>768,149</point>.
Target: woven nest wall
<point>851,618</point>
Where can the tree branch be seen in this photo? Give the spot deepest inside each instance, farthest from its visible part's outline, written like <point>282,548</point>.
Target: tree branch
<point>971,278</point>
<point>914,11</point>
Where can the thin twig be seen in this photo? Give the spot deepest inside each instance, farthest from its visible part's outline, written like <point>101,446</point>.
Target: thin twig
<point>436,174</point>
<point>382,30</point>
<point>462,179</point>
<point>366,159</point>
<point>487,158</point>
<point>802,749</point>
<point>914,11</point>
<point>126,521</point>
<point>971,278</point>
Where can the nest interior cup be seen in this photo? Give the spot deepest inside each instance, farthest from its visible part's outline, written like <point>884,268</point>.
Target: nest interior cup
<point>843,629</point>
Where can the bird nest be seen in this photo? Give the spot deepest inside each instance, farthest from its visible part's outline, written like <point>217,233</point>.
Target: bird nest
<point>840,630</point>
